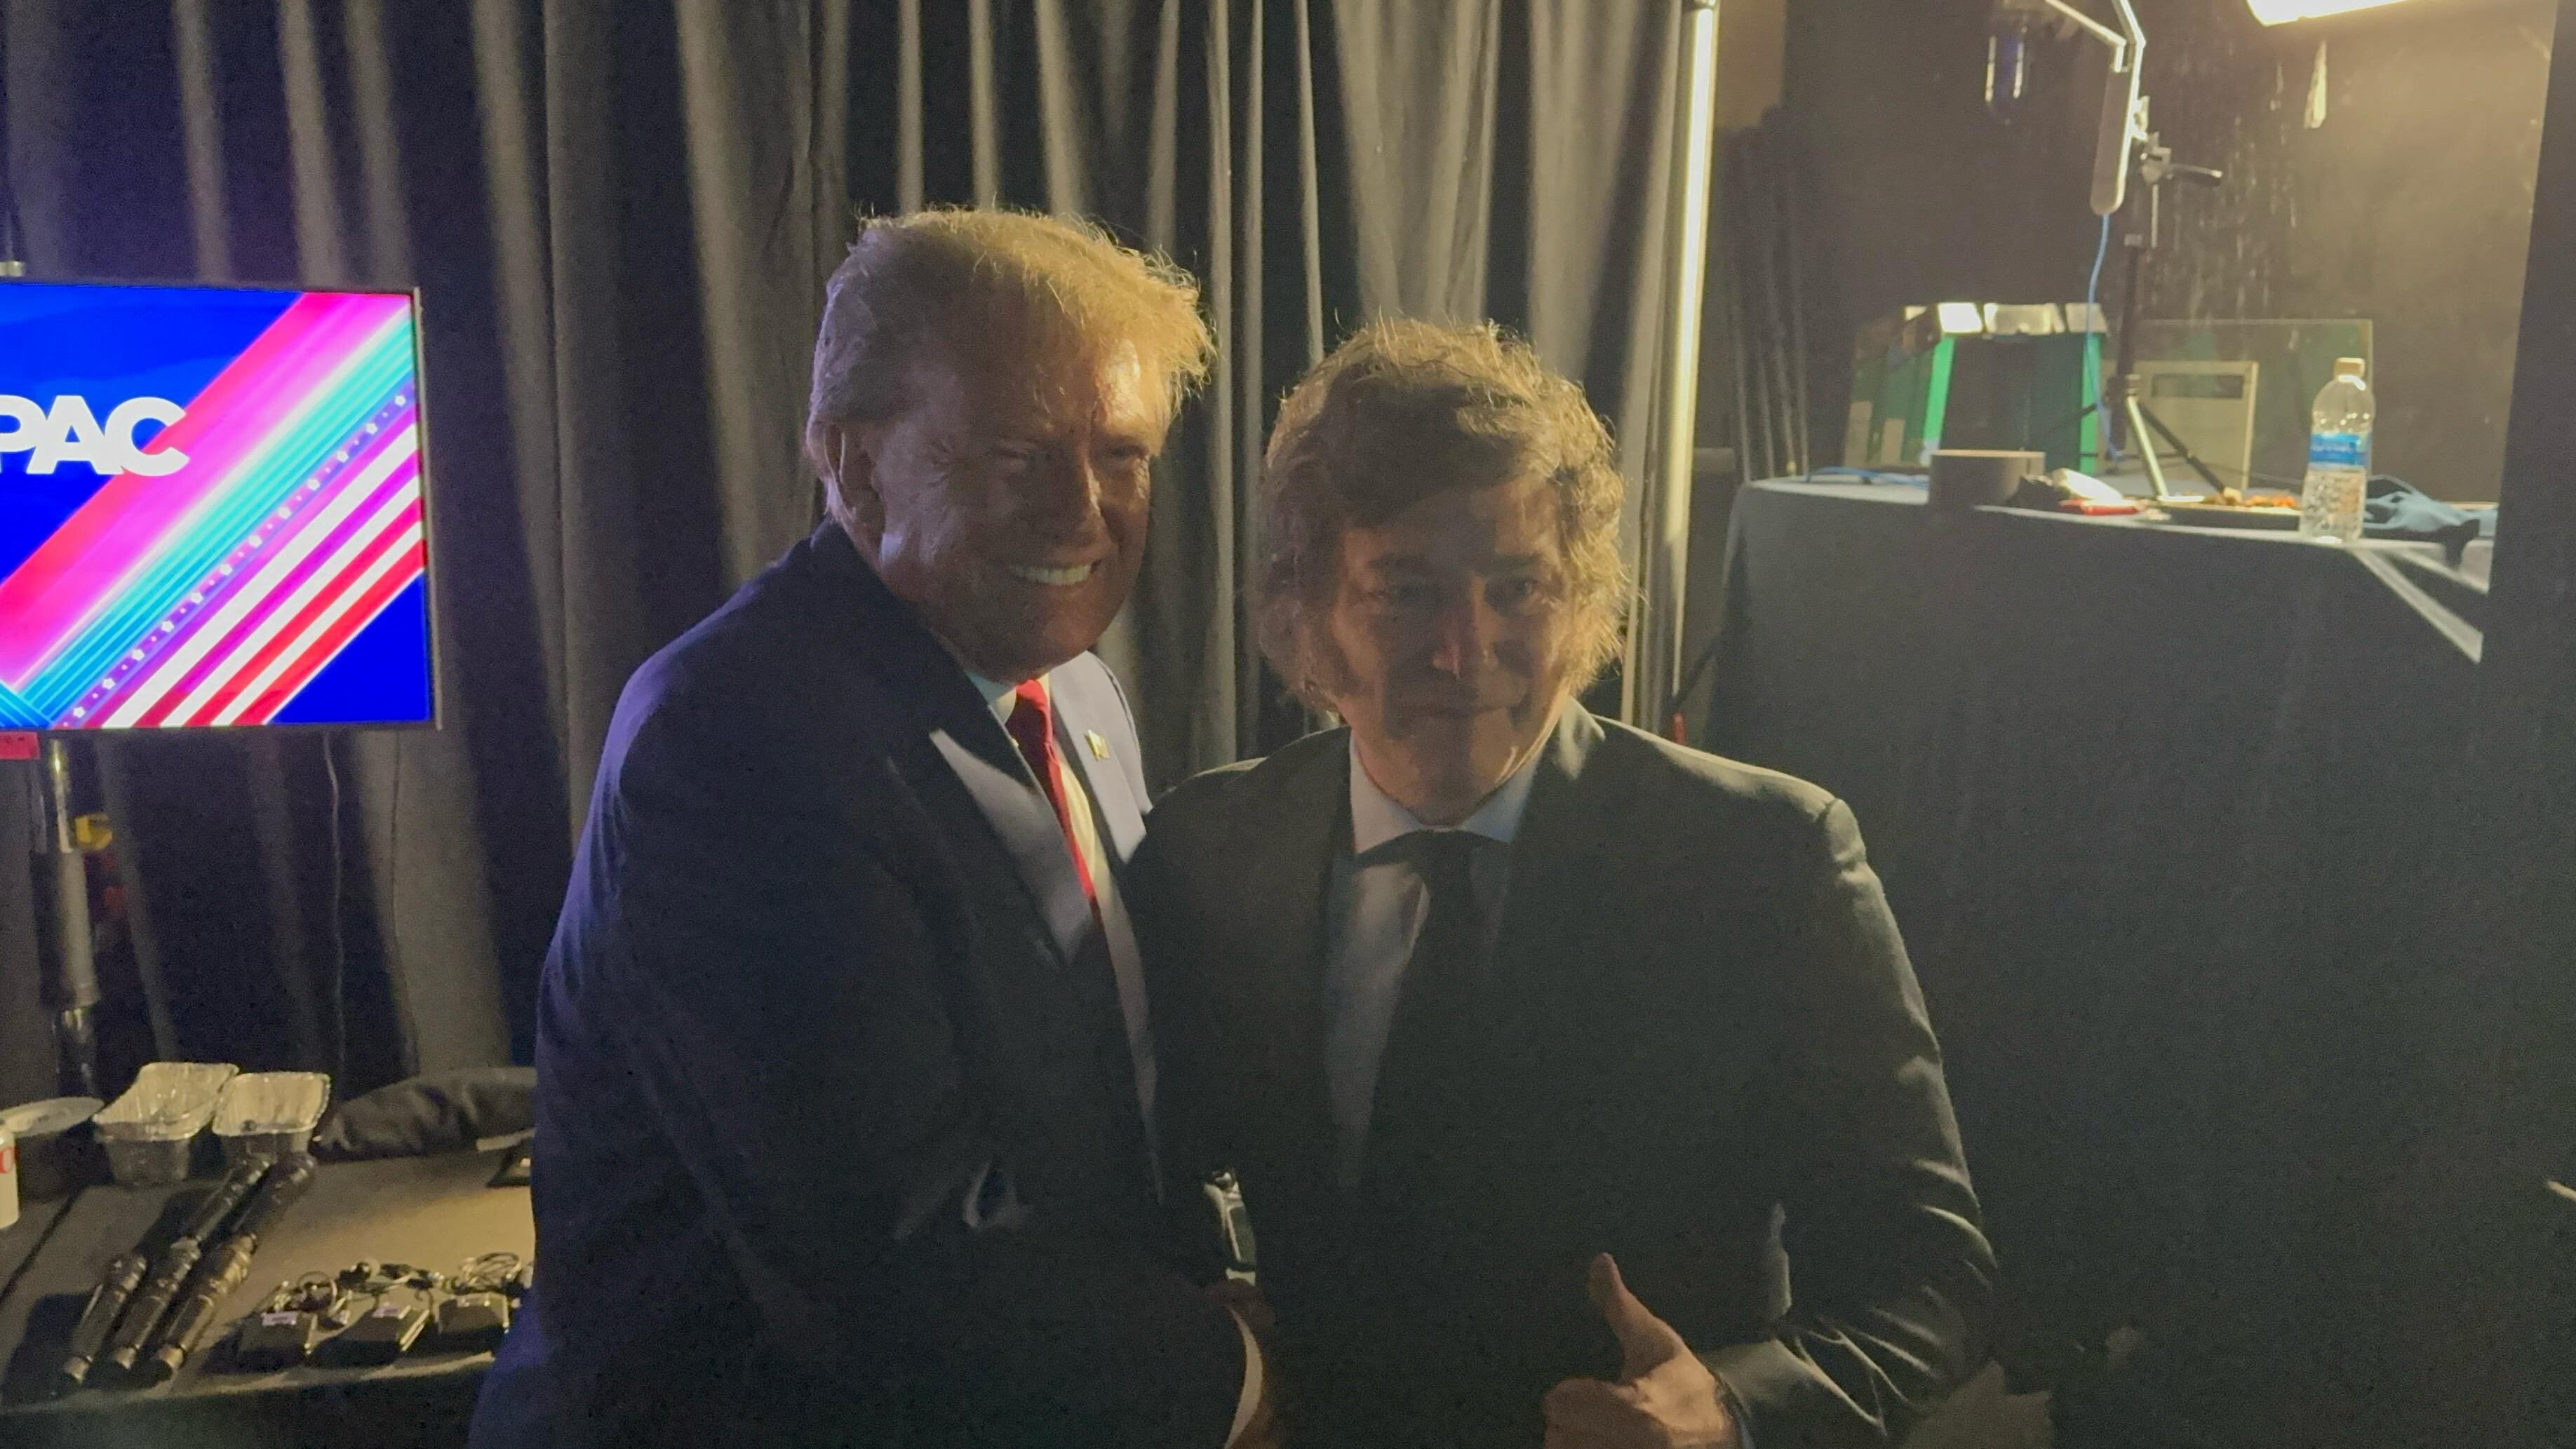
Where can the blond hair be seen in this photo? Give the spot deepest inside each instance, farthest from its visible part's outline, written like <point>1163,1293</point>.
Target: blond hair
<point>1406,409</point>
<point>911,280</point>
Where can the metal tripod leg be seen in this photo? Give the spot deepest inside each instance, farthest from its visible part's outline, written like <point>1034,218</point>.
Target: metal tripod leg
<point>2174,441</point>
<point>2145,443</point>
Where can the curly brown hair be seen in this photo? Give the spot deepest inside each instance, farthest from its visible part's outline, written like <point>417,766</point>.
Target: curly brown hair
<point>1400,411</point>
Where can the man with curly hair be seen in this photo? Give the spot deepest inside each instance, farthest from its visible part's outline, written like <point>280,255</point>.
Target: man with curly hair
<point>1495,1008</point>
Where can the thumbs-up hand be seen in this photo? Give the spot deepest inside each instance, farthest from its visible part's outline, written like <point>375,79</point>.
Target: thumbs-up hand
<point>1665,1398</point>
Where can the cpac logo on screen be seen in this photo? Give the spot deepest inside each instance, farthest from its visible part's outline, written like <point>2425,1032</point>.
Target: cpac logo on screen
<point>68,432</point>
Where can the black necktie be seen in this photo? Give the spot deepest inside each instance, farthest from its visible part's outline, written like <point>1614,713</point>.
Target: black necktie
<point>1426,1078</point>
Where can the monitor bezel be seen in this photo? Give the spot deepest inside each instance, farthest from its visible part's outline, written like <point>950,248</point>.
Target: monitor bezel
<point>428,519</point>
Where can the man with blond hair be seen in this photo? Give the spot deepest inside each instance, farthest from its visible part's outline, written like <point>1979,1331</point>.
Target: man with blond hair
<point>1499,1012</point>
<point>845,1065</point>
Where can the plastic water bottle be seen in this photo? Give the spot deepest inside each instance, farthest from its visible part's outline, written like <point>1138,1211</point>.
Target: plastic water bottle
<point>2330,501</point>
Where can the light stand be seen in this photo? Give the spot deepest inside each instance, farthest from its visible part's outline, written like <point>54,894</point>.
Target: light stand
<point>68,963</point>
<point>2124,145</point>
<point>2156,166</point>
<point>1654,662</point>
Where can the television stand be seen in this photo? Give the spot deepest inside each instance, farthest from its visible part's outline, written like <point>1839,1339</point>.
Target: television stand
<point>66,959</point>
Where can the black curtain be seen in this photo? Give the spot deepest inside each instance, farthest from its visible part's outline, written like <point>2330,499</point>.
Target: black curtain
<point>620,217</point>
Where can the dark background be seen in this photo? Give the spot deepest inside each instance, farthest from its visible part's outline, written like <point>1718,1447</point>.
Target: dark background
<point>620,217</point>
<point>2410,206</point>
<point>2312,1170</point>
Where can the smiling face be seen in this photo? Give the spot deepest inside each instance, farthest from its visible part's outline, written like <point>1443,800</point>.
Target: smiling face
<point>1007,502</point>
<point>1450,644</point>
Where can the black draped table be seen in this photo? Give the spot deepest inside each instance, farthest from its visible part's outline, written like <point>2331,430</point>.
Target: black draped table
<point>2168,816</point>
<point>431,1212</point>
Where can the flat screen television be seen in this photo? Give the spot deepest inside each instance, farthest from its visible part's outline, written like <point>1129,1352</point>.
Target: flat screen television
<point>211,509</point>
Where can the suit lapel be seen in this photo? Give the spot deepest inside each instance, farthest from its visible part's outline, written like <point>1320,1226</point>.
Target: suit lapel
<point>1025,823</point>
<point>1305,828</point>
<point>916,669</point>
<point>1285,880</point>
<point>1553,858</point>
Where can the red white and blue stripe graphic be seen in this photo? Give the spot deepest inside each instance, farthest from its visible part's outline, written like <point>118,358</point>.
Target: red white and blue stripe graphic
<point>213,594</point>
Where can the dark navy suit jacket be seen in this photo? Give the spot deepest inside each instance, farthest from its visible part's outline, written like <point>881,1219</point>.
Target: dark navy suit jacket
<point>837,1134</point>
<point>1702,1050</point>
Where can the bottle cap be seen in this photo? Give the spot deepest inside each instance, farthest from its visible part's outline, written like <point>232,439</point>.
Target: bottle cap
<point>2348,367</point>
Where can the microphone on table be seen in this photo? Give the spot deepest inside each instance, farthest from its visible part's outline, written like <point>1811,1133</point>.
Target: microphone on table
<point>106,1302</point>
<point>225,1269</point>
<point>153,1298</point>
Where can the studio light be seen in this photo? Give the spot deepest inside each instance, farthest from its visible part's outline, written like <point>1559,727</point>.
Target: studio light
<point>2282,12</point>
<point>2011,28</point>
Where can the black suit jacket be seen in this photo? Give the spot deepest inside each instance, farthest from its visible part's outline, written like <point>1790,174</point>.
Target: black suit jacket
<point>837,1138</point>
<point>1706,1054</point>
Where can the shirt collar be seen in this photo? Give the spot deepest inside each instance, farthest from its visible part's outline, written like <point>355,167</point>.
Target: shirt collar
<point>1001,699</point>
<point>1376,819</point>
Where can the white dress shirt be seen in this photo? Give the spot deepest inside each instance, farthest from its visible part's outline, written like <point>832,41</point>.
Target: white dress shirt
<point>1374,907</point>
<point>1126,961</point>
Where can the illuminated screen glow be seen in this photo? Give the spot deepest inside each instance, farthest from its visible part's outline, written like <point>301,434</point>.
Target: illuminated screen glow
<point>2281,12</point>
<point>210,509</point>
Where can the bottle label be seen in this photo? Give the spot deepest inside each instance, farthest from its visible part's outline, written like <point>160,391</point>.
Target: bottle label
<point>2338,450</point>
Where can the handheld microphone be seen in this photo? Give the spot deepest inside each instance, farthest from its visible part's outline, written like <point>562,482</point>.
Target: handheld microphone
<point>225,1269</point>
<point>106,1302</point>
<point>153,1299</point>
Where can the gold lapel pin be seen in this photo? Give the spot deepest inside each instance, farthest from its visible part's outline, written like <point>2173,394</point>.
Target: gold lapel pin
<point>1099,746</point>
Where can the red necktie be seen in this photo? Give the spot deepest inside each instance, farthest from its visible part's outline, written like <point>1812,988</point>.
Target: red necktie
<point>1032,728</point>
